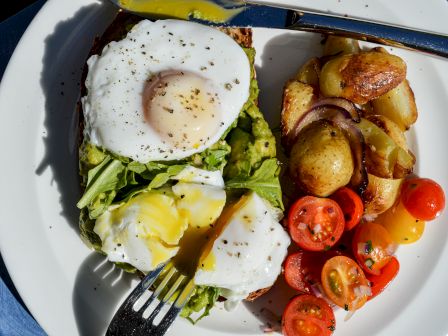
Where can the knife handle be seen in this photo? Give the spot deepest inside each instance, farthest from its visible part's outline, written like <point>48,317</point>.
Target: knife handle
<point>435,44</point>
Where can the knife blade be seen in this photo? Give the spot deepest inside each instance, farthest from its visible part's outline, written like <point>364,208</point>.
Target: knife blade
<point>255,15</point>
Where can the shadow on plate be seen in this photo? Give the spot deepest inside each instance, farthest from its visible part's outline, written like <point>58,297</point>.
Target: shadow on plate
<point>99,287</point>
<point>281,58</point>
<point>66,50</point>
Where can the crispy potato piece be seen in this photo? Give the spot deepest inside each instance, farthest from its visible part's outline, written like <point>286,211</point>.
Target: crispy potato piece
<point>297,99</point>
<point>361,77</point>
<point>335,46</point>
<point>390,128</point>
<point>380,194</point>
<point>398,105</point>
<point>384,157</point>
<point>309,72</point>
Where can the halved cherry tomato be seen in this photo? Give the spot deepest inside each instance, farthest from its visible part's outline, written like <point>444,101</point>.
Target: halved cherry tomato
<point>379,282</point>
<point>344,283</point>
<point>307,315</point>
<point>373,247</point>
<point>315,224</point>
<point>303,269</point>
<point>351,205</point>
<point>423,198</point>
<point>401,225</point>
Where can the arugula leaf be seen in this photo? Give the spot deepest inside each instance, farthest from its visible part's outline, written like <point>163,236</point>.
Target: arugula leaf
<point>203,298</point>
<point>104,177</point>
<point>162,178</point>
<point>264,182</point>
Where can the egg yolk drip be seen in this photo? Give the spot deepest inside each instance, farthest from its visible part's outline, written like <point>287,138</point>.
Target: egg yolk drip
<point>181,9</point>
<point>207,260</point>
<point>182,107</point>
<point>144,232</point>
<point>201,205</point>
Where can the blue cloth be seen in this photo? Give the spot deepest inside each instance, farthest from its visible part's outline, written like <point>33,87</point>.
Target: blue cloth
<point>15,319</point>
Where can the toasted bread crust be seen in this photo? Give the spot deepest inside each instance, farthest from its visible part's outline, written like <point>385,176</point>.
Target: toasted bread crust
<point>115,32</point>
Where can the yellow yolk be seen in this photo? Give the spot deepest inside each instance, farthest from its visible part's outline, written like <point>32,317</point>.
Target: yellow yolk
<point>191,244</point>
<point>183,108</point>
<point>207,259</point>
<point>200,204</point>
<point>144,232</point>
<point>157,216</point>
<point>181,9</point>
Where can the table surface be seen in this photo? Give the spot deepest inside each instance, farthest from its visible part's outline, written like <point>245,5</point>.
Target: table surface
<point>14,316</point>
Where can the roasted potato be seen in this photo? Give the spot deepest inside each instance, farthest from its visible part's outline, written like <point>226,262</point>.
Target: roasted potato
<point>361,77</point>
<point>297,99</point>
<point>335,46</point>
<point>309,73</point>
<point>384,157</point>
<point>380,194</point>
<point>390,128</point>
<point>321,159</point>
<point>398,105</point>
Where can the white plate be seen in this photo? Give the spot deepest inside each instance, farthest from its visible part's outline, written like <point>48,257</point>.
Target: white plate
<point>66,287</point>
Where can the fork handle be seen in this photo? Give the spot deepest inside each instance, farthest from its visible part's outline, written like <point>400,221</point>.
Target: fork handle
<point>435,44</point>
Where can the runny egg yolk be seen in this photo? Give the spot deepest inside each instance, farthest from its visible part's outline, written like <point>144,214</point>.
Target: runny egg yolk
<point>148,222</point>
<point>182,107</point>
<point>182,9</point>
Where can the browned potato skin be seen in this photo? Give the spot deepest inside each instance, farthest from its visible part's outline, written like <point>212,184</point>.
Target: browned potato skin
<point>398,105</point>
<point>380,194</point>
<point>335,46</point>
<point>309,73</point>
<point>321,160</point>
<point>361,77</point>
<point>297,99</point>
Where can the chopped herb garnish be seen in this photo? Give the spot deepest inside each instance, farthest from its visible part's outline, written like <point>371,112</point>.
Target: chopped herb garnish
<point>368,247</point>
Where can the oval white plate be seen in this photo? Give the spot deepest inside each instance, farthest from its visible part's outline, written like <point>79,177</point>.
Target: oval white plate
<point>70,290</point>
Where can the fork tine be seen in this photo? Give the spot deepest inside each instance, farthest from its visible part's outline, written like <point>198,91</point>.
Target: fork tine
<point>167,296</point>
<point>147,282</point>
<point>175,309</point>
<point>159,288</point>
<point>126,312</point>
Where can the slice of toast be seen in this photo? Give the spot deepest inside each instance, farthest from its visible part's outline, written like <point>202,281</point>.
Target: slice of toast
<point>116,31</point>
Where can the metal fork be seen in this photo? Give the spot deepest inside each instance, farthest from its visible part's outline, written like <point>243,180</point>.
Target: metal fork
<point>129,321</point>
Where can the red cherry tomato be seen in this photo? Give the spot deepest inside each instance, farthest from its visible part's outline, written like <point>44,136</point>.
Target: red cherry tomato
<point>307,315</point>
<point>379,282</point>
<point>315,224</point>
<point>373,247</point>
<point>344,283</point>
<point>423,198</point>
<point>303,269</point>
<point>351,205</point>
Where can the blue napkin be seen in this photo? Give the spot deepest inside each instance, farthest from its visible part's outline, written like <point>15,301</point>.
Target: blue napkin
<point>15,319</point>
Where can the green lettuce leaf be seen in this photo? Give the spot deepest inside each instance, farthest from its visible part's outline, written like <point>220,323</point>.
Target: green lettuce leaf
<point>264,182</point>
<point>162,178</point>
<point>106,177</point>
<point>203,298</point>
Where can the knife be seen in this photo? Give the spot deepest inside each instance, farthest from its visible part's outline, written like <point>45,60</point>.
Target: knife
<point>256,15</point>
<point>252,14</point>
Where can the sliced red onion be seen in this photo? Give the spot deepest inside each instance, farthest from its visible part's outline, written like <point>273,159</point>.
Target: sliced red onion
<point>341,103</point>
<point>359,178</point>
<point>318,113</point>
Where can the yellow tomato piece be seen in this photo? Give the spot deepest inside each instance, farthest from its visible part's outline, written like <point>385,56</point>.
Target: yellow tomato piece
<point>403,228</point>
